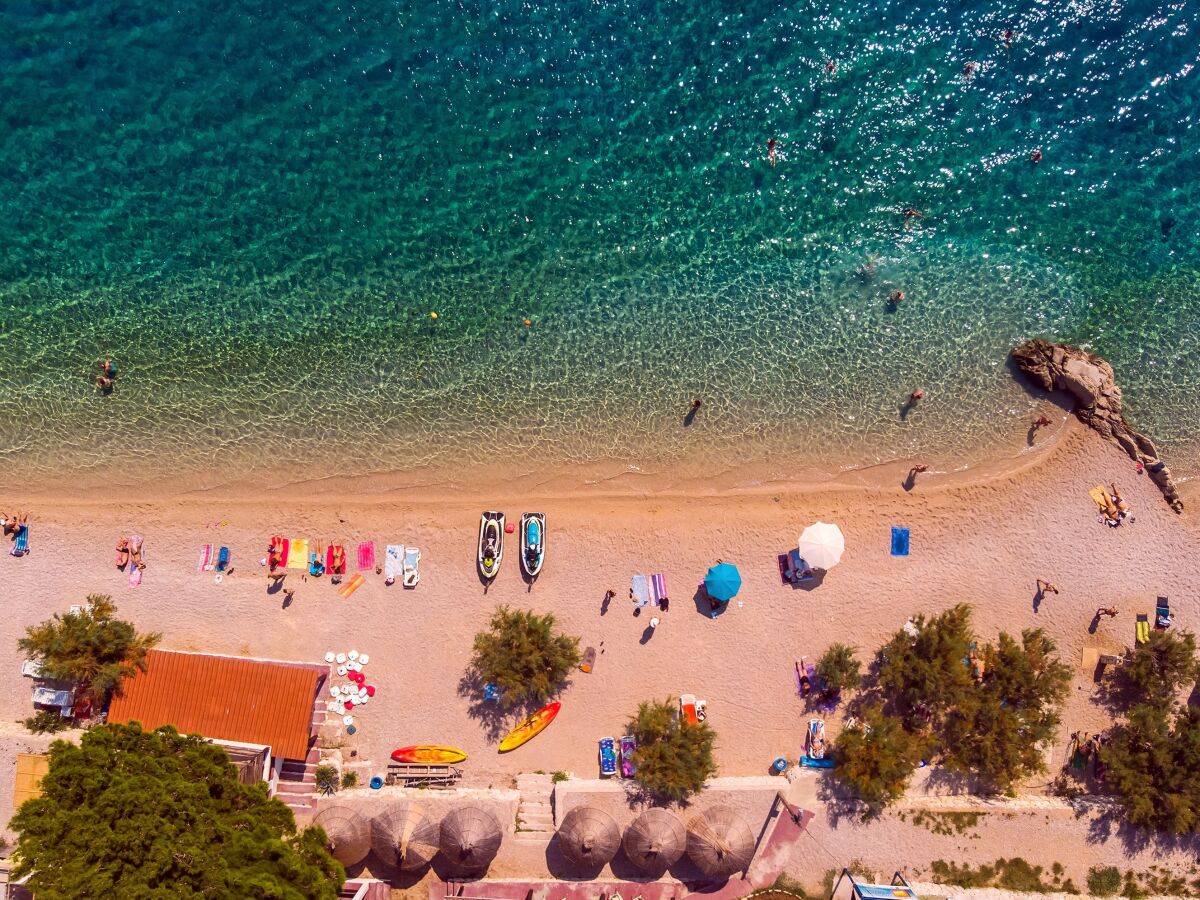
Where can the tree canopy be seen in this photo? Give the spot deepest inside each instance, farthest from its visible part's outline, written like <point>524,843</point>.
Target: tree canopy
<point>524,655</point>
<point>673,758</point>
<point>837,669</point>
<point>90,647</point>
<point>1153,756</point>
<point>987,710</point>
<point>129,812</point>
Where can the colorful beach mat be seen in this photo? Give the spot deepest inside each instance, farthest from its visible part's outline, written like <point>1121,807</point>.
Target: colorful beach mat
<point>899,541</point>
<point>351,586</point>
<point>205,562</point>
<point>298,554</point>
<point>366,556</point>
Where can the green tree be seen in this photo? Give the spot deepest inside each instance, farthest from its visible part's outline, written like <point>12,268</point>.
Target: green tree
<point>131,813</point>
<point>1153,763</point>
<point>999,730</point>
<point>837,669</point>
<point>673,758</point>
<point>921,670</point>
<point>524,655</point>
<point>876,758</point>
<point>89,647</point>
<point>1159,668</point>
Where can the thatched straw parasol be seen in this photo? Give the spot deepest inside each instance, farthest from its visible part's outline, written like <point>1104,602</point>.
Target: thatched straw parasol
<point>588,837</point>
<point>402,837</point>
<point>347,830</point>
<point>720,842</point>
<point>655,840</point>
<point>470,838</point>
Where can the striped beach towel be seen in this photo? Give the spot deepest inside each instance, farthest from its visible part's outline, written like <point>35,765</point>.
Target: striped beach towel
<point>298,554</point>
<point>205,563</point>
<point>366,556</point>
<point>658,589</point>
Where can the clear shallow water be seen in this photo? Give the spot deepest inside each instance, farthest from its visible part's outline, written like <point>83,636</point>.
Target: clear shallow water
<point>255,210</point>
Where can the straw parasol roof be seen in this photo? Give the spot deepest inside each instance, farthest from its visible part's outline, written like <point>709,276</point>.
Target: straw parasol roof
<point>655,840</point>
<point>720,842</point>
<point>588,837</point>
<point>347,831</point>
<point>401,836</point>
<point>470,838</point>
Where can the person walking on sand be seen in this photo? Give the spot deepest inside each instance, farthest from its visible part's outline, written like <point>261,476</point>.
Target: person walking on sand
<point>1045,587</point>
<point>772,151</point>
<point>916,470</point>
<point>1106,611</point>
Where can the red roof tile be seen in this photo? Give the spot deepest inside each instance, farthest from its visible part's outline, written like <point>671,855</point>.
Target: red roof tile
<point>223,697</point>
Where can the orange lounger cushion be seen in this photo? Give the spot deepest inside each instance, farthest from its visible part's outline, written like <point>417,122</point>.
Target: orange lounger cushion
<point>351,586</point>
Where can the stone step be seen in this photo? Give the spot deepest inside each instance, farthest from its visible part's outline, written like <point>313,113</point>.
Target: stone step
<point>533,837</point>
<point>534,780</point>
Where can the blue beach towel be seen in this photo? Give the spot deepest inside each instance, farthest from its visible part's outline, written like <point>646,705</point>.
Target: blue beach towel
<point>223,559</point>
<point>21,545</point>
<point>899,541</point>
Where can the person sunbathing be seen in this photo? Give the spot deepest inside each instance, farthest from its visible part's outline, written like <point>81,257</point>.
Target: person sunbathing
<point>122,553</point>
<point>135,554</point>
<point>805,681</point>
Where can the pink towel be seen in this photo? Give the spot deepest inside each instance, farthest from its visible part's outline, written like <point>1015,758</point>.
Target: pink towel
<point>658,588</point>
<point>207,559</point>
<point>366,556</point>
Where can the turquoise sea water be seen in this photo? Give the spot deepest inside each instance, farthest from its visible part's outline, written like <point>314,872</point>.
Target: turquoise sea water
<point>256,207</point>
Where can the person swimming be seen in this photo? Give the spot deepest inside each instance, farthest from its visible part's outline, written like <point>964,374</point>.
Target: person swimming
<point>1035,157</point>
<point>772,151</point>
<point>896,296</point>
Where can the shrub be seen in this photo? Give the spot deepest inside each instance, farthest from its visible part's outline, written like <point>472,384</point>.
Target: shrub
<point>90,648</point>
<point>1103,881</point>
<point>673,758</point>
<point>560,777</point>
<point>837,669</point>
<point>349,779</point>
<point>327,779</point>
<point>46,721</point>
<point>524,655</point>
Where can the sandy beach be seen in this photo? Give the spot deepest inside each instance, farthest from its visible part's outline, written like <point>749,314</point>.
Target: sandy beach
<point>982,539</point>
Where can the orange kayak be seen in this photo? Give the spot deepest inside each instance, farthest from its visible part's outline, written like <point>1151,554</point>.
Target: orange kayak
<point>428,754</point>
<point>531,727</point>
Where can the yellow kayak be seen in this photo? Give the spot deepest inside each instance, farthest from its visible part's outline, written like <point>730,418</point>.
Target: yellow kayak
<point>531,727</point>
<point>428,754</point>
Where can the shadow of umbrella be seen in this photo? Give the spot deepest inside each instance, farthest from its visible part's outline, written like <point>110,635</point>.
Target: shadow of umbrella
<point>655,841</point>
<point>589,838</point>
<point>720,842</point>
<point>347,832</point>
<point>403,838</point>
<point>470,839</point>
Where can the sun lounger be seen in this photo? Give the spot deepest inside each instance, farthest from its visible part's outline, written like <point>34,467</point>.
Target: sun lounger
<point>639,591</point>
<point>899,541</point>
<point>412,562</point>
<point>393,565</point>
<point>366,556</point>
<point>1162,614</point>
<point>491,692</point>
<point>628,746</point>
<point>687,709</point>
<point>205,562</point>
<point>31,668</point>
<point>21,544</point>
<point>816,738</point>
<point>47,695</point>
<point>1141,629</point>
<point>351,586</point>
<point>658,589</point>
<point>608,757</point>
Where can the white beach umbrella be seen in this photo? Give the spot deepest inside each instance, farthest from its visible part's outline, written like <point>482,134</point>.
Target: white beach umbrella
<point>822,545</point>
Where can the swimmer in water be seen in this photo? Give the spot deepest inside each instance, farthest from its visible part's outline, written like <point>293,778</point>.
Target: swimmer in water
<point>1007,38</point>
<point>969,71</point>
<point>830,69</point>
<point>915,397</point>
<point>772,151</point>
<point>1035,157</point>
<point>896,296</point>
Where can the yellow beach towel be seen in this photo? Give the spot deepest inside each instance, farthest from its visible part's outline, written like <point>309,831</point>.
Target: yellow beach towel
<point>1100,495</point>
<point>298,554</point>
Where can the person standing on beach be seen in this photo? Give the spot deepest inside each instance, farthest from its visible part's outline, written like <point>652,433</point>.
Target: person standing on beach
<point>1045,587</point>
<point>917,470</point>
<point>1041,422</point>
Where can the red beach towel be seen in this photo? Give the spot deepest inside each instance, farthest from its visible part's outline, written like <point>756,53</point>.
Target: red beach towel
<point>366,556</point>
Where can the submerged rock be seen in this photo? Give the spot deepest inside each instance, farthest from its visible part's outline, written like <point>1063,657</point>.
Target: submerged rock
<point>1090,380</point>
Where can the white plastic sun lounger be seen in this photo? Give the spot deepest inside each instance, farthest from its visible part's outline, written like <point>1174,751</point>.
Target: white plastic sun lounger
<point>412,559</point>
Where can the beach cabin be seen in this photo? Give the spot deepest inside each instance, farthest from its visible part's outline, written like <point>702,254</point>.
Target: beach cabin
<point>264,713</point>
<point>848,887</point>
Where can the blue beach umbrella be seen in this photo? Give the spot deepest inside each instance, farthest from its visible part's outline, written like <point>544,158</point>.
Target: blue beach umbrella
<point>723,582</point>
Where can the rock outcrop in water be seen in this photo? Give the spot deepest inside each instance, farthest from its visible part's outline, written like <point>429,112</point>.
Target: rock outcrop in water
<point>1089,379</point>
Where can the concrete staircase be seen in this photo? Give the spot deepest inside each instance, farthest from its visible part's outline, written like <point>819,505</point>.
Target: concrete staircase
<point>535,812</point>
<point>297,785</point>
